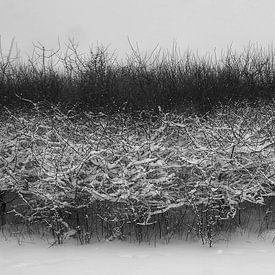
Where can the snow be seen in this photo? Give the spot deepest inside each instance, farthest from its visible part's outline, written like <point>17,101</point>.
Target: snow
<point>245,255</point>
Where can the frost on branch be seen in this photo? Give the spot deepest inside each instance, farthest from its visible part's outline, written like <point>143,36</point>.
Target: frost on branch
<point>123,171</point>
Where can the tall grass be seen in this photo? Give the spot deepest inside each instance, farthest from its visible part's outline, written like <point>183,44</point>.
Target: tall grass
<point>142,81</point>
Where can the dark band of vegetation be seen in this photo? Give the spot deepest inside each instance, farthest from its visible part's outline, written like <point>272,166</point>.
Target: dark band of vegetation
<point>142,81</point>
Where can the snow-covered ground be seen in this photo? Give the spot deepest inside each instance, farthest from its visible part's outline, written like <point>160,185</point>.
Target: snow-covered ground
<point>245,255</point>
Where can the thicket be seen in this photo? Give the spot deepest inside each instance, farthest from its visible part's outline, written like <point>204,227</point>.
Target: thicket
<point>78,162</point>
<point>142,81</point>
<point>145,178</point>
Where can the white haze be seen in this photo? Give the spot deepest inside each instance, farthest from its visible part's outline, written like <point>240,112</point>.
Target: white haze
<point>202,25</point>
<point>241,256</point>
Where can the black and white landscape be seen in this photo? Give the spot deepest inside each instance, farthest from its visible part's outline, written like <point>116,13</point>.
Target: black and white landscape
<point>126,157</point>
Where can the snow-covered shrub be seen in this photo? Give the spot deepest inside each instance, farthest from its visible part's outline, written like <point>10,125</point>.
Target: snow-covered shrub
<point>99,173</point>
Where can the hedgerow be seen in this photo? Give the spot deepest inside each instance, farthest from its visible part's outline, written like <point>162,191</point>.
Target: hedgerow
<point>99,80</point>
<point>142,177</point>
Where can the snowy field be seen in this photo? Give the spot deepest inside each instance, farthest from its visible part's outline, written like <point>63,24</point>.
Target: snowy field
<point>245,255</point>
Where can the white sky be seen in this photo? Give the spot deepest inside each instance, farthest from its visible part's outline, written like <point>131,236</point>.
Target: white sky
<point>195,24</point>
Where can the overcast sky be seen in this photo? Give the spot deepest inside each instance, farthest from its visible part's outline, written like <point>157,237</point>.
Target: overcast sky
<point>195,24</point>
